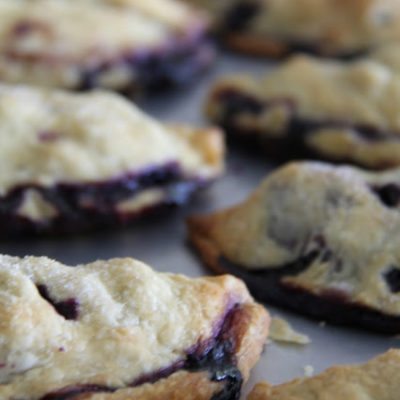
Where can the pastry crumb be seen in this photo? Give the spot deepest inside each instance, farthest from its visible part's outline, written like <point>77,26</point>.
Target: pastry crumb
<point>308,371</point>
<point>282,331</point>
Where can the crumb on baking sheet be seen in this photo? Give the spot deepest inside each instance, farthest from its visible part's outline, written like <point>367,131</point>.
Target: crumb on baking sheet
<point>308,371</point>
<point>282,331</point>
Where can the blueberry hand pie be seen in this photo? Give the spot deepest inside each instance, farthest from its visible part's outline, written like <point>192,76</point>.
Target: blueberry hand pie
<point>317,239</point>
<point>69,162</point>
<point>117,330</point>
<point>377,379</point>
<point>328,110</point>
<point>339,28</point>
<point>126,45</point>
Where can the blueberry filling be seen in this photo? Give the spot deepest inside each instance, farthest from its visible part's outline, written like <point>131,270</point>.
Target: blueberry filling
<point>234,103</point>
<point>70,393</point>
<point>388,194</point>
<point>156,70</point>
<point>292,142</point>
<point>392,278</point>
<point>85,206</point>
<point>175,62</point>
<point>216,357</point>
<point>48,136</point>
<point>219,360</point>
<point>23,28</point>
<point>68,308</point>
<point>267,285</point>
<point>240,15</point>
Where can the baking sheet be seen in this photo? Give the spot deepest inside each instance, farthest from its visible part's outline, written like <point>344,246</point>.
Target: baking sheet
<point>161,242</point>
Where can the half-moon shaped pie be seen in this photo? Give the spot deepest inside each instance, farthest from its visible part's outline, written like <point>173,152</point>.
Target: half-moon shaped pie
<point>275,28</point>
<point>318,239</point>
<point>313,108</point>
<point>70,162</point>
<point>377,379</point>
<point>117,330</point>
<point>128,45</point>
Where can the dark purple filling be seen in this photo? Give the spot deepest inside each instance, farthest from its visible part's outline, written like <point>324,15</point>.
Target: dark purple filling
<point>86,206</point>
<point>70,393</point>
<point>292,144</point>
<point>320,49</point>
<point>388,194</point>
<point>215,356</point>
<point>48,136</point>
<point>68,308</point>
<point>157,70</point>
<point>392,278</point>
<point>240,15</point>
<point>23,28</point>
<point>332,306</point>
<point>178,59</point>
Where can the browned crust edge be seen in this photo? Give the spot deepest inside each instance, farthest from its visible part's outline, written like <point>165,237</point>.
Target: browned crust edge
<point>257,46</point>
<point>351,374</point>
<point>198,229</point>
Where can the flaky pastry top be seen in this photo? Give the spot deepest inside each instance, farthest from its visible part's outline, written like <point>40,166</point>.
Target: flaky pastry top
<point>335,26</point>
<point>73,38</point>
<point>365,91</point>
<point>344,216</point>
<point>82,30</point>
<point>128,321</point>
<point>377,379</point>
<point>49,137</point>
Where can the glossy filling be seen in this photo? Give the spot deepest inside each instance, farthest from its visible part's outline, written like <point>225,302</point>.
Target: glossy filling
<point>267,285</point>
<point>83,206</point>
<point>216,356</point>
<point>291,143</point>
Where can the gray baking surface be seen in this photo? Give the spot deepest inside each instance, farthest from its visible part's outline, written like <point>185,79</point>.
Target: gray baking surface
<point>161,242</point>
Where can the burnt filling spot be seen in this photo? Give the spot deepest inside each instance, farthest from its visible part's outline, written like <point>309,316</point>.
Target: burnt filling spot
<point>239,16</point>
<point>293,143</point>
<point>68,308</point>
<point>216,357</point>
<point>392,278</point>
<point>388,194</point>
